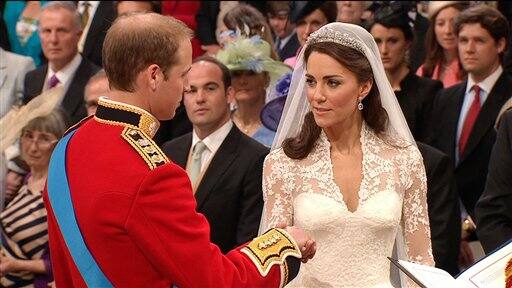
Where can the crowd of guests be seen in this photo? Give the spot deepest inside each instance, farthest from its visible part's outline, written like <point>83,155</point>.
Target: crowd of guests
<point>448,65</point>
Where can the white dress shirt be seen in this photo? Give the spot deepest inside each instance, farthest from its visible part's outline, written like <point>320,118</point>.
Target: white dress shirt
<point>212,142</point>
<point>65,74</point>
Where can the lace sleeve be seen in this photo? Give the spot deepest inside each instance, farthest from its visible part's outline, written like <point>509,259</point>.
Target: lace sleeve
<point>415,223</point>
<point>278,185</point>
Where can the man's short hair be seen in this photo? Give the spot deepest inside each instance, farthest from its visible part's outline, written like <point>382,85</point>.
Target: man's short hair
<point>489,18</point>
<point>100,75</point>
<point>67,5</point>
<point>138,40</point>
<point>226,74</point>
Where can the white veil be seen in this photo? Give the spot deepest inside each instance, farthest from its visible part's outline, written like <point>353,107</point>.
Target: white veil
<point>297,105</point>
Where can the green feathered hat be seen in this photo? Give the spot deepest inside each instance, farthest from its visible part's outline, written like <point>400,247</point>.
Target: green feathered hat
<point>252,54</point>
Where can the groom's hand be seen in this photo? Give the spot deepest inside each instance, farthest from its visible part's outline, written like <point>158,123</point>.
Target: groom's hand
<point>306,244</point>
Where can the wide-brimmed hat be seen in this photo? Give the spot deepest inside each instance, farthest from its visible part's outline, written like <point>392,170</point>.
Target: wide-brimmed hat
<point>252,54</point>
<point>271,113</point>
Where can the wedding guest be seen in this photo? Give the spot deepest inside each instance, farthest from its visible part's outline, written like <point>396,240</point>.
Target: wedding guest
<point>253,71</point>
<point>60,30</point>
<point>493,209</point>
<point>22,21</point>
<point>465,113</point>
<point>96,87</point>
<point>24,226</point>
<point>13,69</point>
<point>241,18</point>
<point>285,37</point>
<point>442,58</point>
<point>309,16</point>
<point>392,31</point>
<point>224,164</point>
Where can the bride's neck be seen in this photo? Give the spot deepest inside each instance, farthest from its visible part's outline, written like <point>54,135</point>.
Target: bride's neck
<point>345,136</point>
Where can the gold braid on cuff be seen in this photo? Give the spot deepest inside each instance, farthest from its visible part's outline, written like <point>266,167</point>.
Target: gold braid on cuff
<point>271,249</point>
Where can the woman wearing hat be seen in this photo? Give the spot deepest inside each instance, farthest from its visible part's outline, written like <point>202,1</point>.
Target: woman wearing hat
<point>253,71</point>
<point>442,61</point>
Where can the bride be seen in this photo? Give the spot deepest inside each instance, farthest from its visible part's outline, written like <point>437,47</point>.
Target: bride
<point>344,166</point>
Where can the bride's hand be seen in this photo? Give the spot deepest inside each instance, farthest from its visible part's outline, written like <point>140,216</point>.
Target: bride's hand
<point>306,244</point>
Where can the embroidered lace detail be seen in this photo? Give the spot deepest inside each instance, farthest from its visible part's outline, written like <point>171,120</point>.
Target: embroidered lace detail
<point>392,193</point>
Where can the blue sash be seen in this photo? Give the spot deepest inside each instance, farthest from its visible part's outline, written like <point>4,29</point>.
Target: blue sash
<point>60,199</point>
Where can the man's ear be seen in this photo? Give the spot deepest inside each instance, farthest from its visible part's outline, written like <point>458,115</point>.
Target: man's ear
<point>502,44</point>
<point>153,73</point>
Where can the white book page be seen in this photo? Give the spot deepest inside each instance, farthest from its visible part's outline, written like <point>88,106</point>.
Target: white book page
<point>430,276</point>
<point>489,272</point>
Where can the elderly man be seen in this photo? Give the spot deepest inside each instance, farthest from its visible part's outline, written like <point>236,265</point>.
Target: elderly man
<point>120,213</point>
<point>60,30</point>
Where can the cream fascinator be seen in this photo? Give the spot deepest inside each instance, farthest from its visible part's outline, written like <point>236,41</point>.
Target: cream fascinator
<point>18,117</point>
<point>252,54</point>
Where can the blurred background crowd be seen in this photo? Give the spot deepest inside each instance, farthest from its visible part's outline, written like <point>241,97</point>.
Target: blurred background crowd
<point>454,87</point>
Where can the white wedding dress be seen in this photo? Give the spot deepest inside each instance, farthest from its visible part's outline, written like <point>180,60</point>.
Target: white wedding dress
<point>352,246</point>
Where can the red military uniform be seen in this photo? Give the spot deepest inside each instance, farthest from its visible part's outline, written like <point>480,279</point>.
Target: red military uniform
<point>136,213</point>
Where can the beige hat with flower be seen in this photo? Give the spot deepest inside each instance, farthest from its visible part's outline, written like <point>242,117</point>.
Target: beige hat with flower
<point>435,6</point>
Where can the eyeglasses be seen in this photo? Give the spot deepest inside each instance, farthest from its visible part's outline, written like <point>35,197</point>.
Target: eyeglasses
<point>42,140</point>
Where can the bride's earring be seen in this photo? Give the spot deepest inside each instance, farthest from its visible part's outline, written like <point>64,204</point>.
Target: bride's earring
<point>360,105</point>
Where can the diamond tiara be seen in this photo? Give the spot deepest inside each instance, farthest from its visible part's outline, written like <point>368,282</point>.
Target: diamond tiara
<point>327,34</point>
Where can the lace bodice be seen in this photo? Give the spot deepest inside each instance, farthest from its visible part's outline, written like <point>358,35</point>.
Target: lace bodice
<point>352,246</point>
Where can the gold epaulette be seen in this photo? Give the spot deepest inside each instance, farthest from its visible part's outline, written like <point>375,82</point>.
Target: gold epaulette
<point>271,249</point>
<point>143,144</point>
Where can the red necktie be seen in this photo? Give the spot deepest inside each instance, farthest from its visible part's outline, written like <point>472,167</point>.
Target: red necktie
<point>470,120</point>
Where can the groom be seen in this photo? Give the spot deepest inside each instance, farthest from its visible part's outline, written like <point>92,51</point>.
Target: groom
<point>120,213</point>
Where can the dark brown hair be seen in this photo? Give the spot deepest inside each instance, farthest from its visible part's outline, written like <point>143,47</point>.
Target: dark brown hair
<point>244,14</point>
<point>434,51</point>
<point>373,113</point>
<point>226,74</point>
<point>138,40</point>
<point>489,18</point>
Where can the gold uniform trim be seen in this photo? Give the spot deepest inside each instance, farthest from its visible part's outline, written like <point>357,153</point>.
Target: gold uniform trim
<point>271,249</point>
<point>143,144</point>
<point>147,122</point>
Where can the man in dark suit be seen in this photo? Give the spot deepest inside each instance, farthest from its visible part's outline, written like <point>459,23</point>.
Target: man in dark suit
<point>60,30</point>
<point>286,41</point>
<point>443,208</point>
<point>224,165</point>
<point>97,16</point>
<point>494,208</point>
<point>464,114</point>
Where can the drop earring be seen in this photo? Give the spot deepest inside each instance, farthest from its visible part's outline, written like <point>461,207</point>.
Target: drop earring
<point>360,104</point>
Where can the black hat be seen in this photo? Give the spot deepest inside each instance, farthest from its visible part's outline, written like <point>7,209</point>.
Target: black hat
<point>300,9</point>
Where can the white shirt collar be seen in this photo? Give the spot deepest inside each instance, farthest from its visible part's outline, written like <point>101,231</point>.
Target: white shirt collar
<point>92,11</point>
<point>214,140</point>
<point>65,74</point>
<point>488,82</point>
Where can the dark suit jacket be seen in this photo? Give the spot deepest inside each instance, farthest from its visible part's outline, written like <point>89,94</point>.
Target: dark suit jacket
<point>418,47</point>
<point>290,48</point>
<point>103,18</point>
<point>416,98</point>
<point>73,101</point>
<point>230,192</point>
<point>443,208</point>
<point>494,208</point>
<point>170,129</point>
<point>471,171</point>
